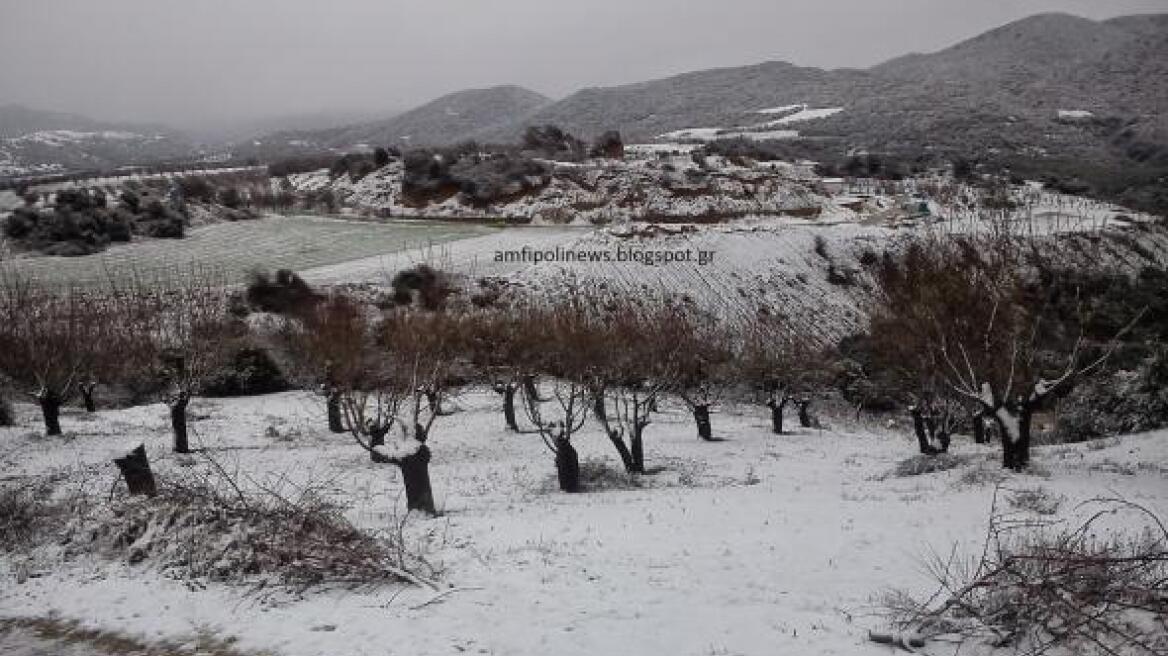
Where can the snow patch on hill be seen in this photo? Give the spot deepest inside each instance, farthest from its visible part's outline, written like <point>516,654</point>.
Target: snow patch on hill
<point>757,131</point>
<point>59,138</point>
<point>806,115</point>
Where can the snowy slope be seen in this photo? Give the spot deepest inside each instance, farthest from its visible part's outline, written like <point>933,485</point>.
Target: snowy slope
<point>662,189</point>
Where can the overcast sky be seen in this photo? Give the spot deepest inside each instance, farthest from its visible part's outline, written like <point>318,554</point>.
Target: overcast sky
<point>186,62</point>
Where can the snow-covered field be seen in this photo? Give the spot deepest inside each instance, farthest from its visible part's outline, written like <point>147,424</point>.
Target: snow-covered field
<point>234,249</point>
<point>758,544</point>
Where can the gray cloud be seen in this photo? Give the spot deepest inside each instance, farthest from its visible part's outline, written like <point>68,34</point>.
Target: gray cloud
<point>197,62</point>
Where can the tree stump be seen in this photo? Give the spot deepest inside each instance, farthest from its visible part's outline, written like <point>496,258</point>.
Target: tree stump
<point>333,405</point>
<point>135,468</point>
<point>701,415</point>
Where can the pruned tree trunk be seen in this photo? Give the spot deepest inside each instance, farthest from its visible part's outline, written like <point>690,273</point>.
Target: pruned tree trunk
<point>135,468</point>
<point>622,450</point>
<point>178,423</point>
<point>1014,424</point>
<point>979,429</point>
<point>637,449</point>
<point>567,465</point>
<point>921,431</point>
<point>805,419</point>
<point>509,408</point>
<point>87,391</point>
<point>701,414</point>
<point>377,438</point>
<point>415,470</point>
<point>598,408</point>
<point>336,423</point>
<point>7,417</point>
<point>777,408</point>
<point>530,389</point>
<point>50,405</point>
<point>434,402</point>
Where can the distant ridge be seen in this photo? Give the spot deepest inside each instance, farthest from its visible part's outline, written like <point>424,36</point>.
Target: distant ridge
<point>452,118</point>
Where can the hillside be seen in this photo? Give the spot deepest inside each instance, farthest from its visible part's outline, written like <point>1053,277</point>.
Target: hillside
<point>1018,75</point>
<point>34,141</point>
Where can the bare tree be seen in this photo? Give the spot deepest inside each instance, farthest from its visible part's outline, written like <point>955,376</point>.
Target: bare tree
<point>975,324</point>
<point>635,361</point>
<point>568,403</point>
<point>180,333</point>
<point>563,346</point>
<point>780,367</point>
<point>50,340</point>
<point>704,364</point>
<point>430,351</point>
<point>325,341</point>
<point>390,373</point>
<point>503,351</point>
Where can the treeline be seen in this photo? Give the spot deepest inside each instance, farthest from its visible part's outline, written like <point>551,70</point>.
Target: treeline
<point>388,369</point>
<point>75,222</point>
<point>81,222</point>
<point>974,335</point>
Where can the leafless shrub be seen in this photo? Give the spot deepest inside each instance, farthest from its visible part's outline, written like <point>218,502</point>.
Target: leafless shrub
<point>984,473</point>
<point>27,512</point>
<point>1038,586</point>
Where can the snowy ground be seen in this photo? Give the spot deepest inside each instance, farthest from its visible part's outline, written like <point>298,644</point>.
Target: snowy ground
<point>759,544</point>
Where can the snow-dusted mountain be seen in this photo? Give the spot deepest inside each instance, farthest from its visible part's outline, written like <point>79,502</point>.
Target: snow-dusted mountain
<point>1002,88</point>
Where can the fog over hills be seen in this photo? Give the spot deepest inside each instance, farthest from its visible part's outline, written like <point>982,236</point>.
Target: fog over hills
<point>452,118</point>
<point>38,141</point>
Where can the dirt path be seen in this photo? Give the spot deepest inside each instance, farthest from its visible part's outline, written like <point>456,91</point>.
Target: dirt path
<point>51,637</point>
